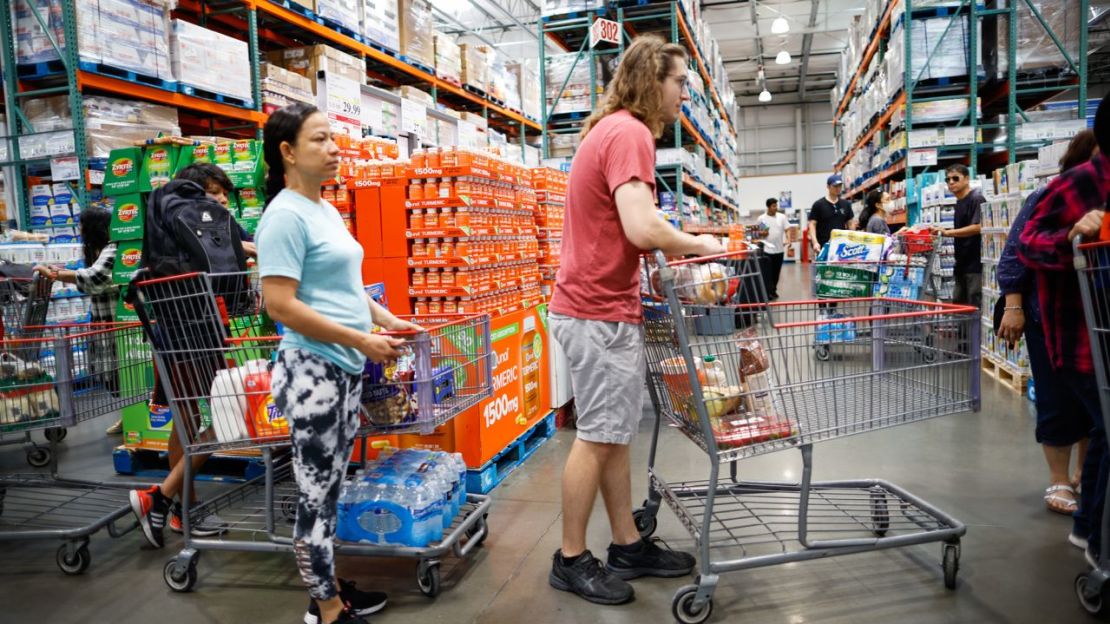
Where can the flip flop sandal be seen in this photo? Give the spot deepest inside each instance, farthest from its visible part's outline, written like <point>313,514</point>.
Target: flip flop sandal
<point>1058,503</point>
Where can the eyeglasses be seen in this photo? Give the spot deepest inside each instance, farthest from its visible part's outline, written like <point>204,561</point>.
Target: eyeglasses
<point>953,179</point>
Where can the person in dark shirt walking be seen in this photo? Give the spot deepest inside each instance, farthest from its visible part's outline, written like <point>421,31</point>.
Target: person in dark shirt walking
<point>829,213</point>
<point>968,239</point>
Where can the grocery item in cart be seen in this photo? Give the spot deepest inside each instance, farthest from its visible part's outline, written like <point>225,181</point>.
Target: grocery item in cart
<point>852,246</point>
<point>387,391</point>
<point>704,284</point>
<point>26,391</point>
<point>241,405</point>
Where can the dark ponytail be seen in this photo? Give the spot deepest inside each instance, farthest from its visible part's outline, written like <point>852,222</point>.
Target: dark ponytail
<point>94,233</point>
<point>870,207</point>
<point>283,126</point>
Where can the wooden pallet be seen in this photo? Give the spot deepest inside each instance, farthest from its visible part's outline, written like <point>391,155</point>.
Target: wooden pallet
<point>1006,374</point>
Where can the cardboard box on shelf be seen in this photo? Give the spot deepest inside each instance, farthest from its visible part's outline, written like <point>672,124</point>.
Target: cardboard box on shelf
<point>414,94</point>
<point>208,60</point>
<point>448,58</point>
<point>129,255</point>
<point>380,24</point>
<point>416,27</point>
<point>278,80</point>
<point>309,60</point>
<point>127,217</point>
<point>475,66</point>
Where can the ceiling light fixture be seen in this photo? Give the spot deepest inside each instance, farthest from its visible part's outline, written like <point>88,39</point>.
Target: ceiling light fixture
<point>780,26</point>
<point>765,95</point>
<point>783,58</point>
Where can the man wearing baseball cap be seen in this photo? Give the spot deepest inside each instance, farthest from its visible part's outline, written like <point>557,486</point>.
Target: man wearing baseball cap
<point>829,213</point>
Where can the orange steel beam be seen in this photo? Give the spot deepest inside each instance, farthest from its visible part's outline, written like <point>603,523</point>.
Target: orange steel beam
<point>170,98</point>
<point>688,126</point>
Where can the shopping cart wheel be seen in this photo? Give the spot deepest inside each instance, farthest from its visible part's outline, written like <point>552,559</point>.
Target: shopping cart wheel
<point>39,456</point>
<point>822,352</point>
<point>951,564</point>
<point>646,522</point>
<point>682,608</point>
<point>180,581</point>
<point>880,514</point>
<point>1093,604</point>
<point>77,564</point>
<point>55,434</point>
<point>289,508</point>
<point>427,577</point>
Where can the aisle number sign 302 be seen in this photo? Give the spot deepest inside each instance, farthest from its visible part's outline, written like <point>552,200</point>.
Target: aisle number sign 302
<point>604,30</point>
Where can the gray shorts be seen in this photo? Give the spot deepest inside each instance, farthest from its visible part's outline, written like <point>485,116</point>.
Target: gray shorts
<point>968,290</point>
<point>606,362</point>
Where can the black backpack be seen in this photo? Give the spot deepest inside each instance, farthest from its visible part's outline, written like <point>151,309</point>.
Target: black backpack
<point>187,231</point>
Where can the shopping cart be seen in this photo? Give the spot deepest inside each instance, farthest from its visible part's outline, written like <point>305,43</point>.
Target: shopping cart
<point>64,376</point>
<point>902,271</point>
<point>24,303</point>
<point>1092,264</point>
<point>213,343</point>
<point>759,390</point>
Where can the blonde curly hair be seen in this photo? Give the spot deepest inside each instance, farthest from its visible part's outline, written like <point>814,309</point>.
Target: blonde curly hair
<point>637,85</point>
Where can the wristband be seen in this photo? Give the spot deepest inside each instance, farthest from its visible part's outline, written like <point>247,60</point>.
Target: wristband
<point>1008,308</point>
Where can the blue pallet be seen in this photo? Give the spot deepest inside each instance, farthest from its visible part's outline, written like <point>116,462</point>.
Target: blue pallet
<point>483,480</point>
<point>128,75</point>
<point>33,71</point>
<point>340,28</point>
<point>212,96</point>
<point>219,468</point>
<point>417,64</point>
<point>381,48</point>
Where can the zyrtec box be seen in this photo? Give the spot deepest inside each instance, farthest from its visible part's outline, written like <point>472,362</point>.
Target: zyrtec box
<point>159,163</point>
<point>121,176</point>
<point>129,255</point>
<point>128,214</point>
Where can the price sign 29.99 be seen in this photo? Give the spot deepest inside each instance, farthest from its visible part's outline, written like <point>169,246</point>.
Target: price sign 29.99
<point>344,102</point>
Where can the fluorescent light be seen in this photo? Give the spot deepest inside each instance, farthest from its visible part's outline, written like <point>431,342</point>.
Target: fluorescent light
<point>780,26</point>
<point>765,96</point>
<point>783,58</point>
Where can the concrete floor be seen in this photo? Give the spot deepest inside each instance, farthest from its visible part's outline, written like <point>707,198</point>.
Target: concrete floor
<point>984,469</point>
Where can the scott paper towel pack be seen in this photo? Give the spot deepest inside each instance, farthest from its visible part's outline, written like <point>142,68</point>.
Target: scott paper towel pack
<point>851,246</point>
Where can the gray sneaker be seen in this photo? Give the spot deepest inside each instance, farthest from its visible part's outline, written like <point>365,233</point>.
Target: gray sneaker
<point>208,525</point>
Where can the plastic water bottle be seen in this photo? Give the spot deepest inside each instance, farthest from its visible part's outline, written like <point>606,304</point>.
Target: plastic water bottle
<point>714,371</point>
<point>427,509</point>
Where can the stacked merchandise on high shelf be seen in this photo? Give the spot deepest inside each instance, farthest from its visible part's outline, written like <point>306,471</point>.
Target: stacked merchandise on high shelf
<point>568,95</point>
<point>471,223</point>
<point>551,196</point>
<point>209,63</point>
<point>281,87</point>
<point>124,35</point>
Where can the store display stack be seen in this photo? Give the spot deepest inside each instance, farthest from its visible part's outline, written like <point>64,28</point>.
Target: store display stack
<point>938,208</point>
<point>208,63</point>
<point>473,239</point>
<point>551,195</point>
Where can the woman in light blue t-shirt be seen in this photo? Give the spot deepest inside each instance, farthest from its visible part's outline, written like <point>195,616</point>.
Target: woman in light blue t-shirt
<point>311,270</point>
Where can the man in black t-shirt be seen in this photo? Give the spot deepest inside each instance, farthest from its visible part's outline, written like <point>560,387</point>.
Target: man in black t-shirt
<point>966,230</point>
<point>829,213</point>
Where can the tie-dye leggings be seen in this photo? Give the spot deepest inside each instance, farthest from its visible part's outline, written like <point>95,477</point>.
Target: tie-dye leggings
<point>321,401</point>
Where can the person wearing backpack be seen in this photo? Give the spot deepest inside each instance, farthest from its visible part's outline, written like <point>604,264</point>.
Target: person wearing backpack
<point>218,186</point>
<point>186,231</point>
<point>311,271</point>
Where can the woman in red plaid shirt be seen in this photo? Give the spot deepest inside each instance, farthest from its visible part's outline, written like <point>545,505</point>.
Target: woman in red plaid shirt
<point>1073,205</point>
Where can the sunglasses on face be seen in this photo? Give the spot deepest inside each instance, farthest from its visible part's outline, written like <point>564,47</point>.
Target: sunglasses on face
<point>953,179</point>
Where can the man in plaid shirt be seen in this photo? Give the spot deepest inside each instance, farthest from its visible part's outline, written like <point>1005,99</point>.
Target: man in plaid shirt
<point>1073,205</point>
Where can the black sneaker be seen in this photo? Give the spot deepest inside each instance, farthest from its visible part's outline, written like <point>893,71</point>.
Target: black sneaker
<point>346,617</point>
<point>587,577</point>
<point>358,602</point>
<point>647,558</point>
<point>150,508</point>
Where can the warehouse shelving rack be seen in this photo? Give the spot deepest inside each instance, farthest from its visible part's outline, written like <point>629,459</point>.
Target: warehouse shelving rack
<point>1008,97</point>
<point>265,24</point>
<point>571,33</point>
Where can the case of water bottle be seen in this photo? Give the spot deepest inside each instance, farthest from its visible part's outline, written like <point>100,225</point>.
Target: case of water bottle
<point>406,498</point>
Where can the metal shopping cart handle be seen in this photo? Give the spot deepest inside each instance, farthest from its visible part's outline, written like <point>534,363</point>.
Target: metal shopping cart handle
<point>661,258</point>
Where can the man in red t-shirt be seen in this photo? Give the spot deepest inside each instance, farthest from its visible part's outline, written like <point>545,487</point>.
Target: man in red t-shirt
<point>595,315</point>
